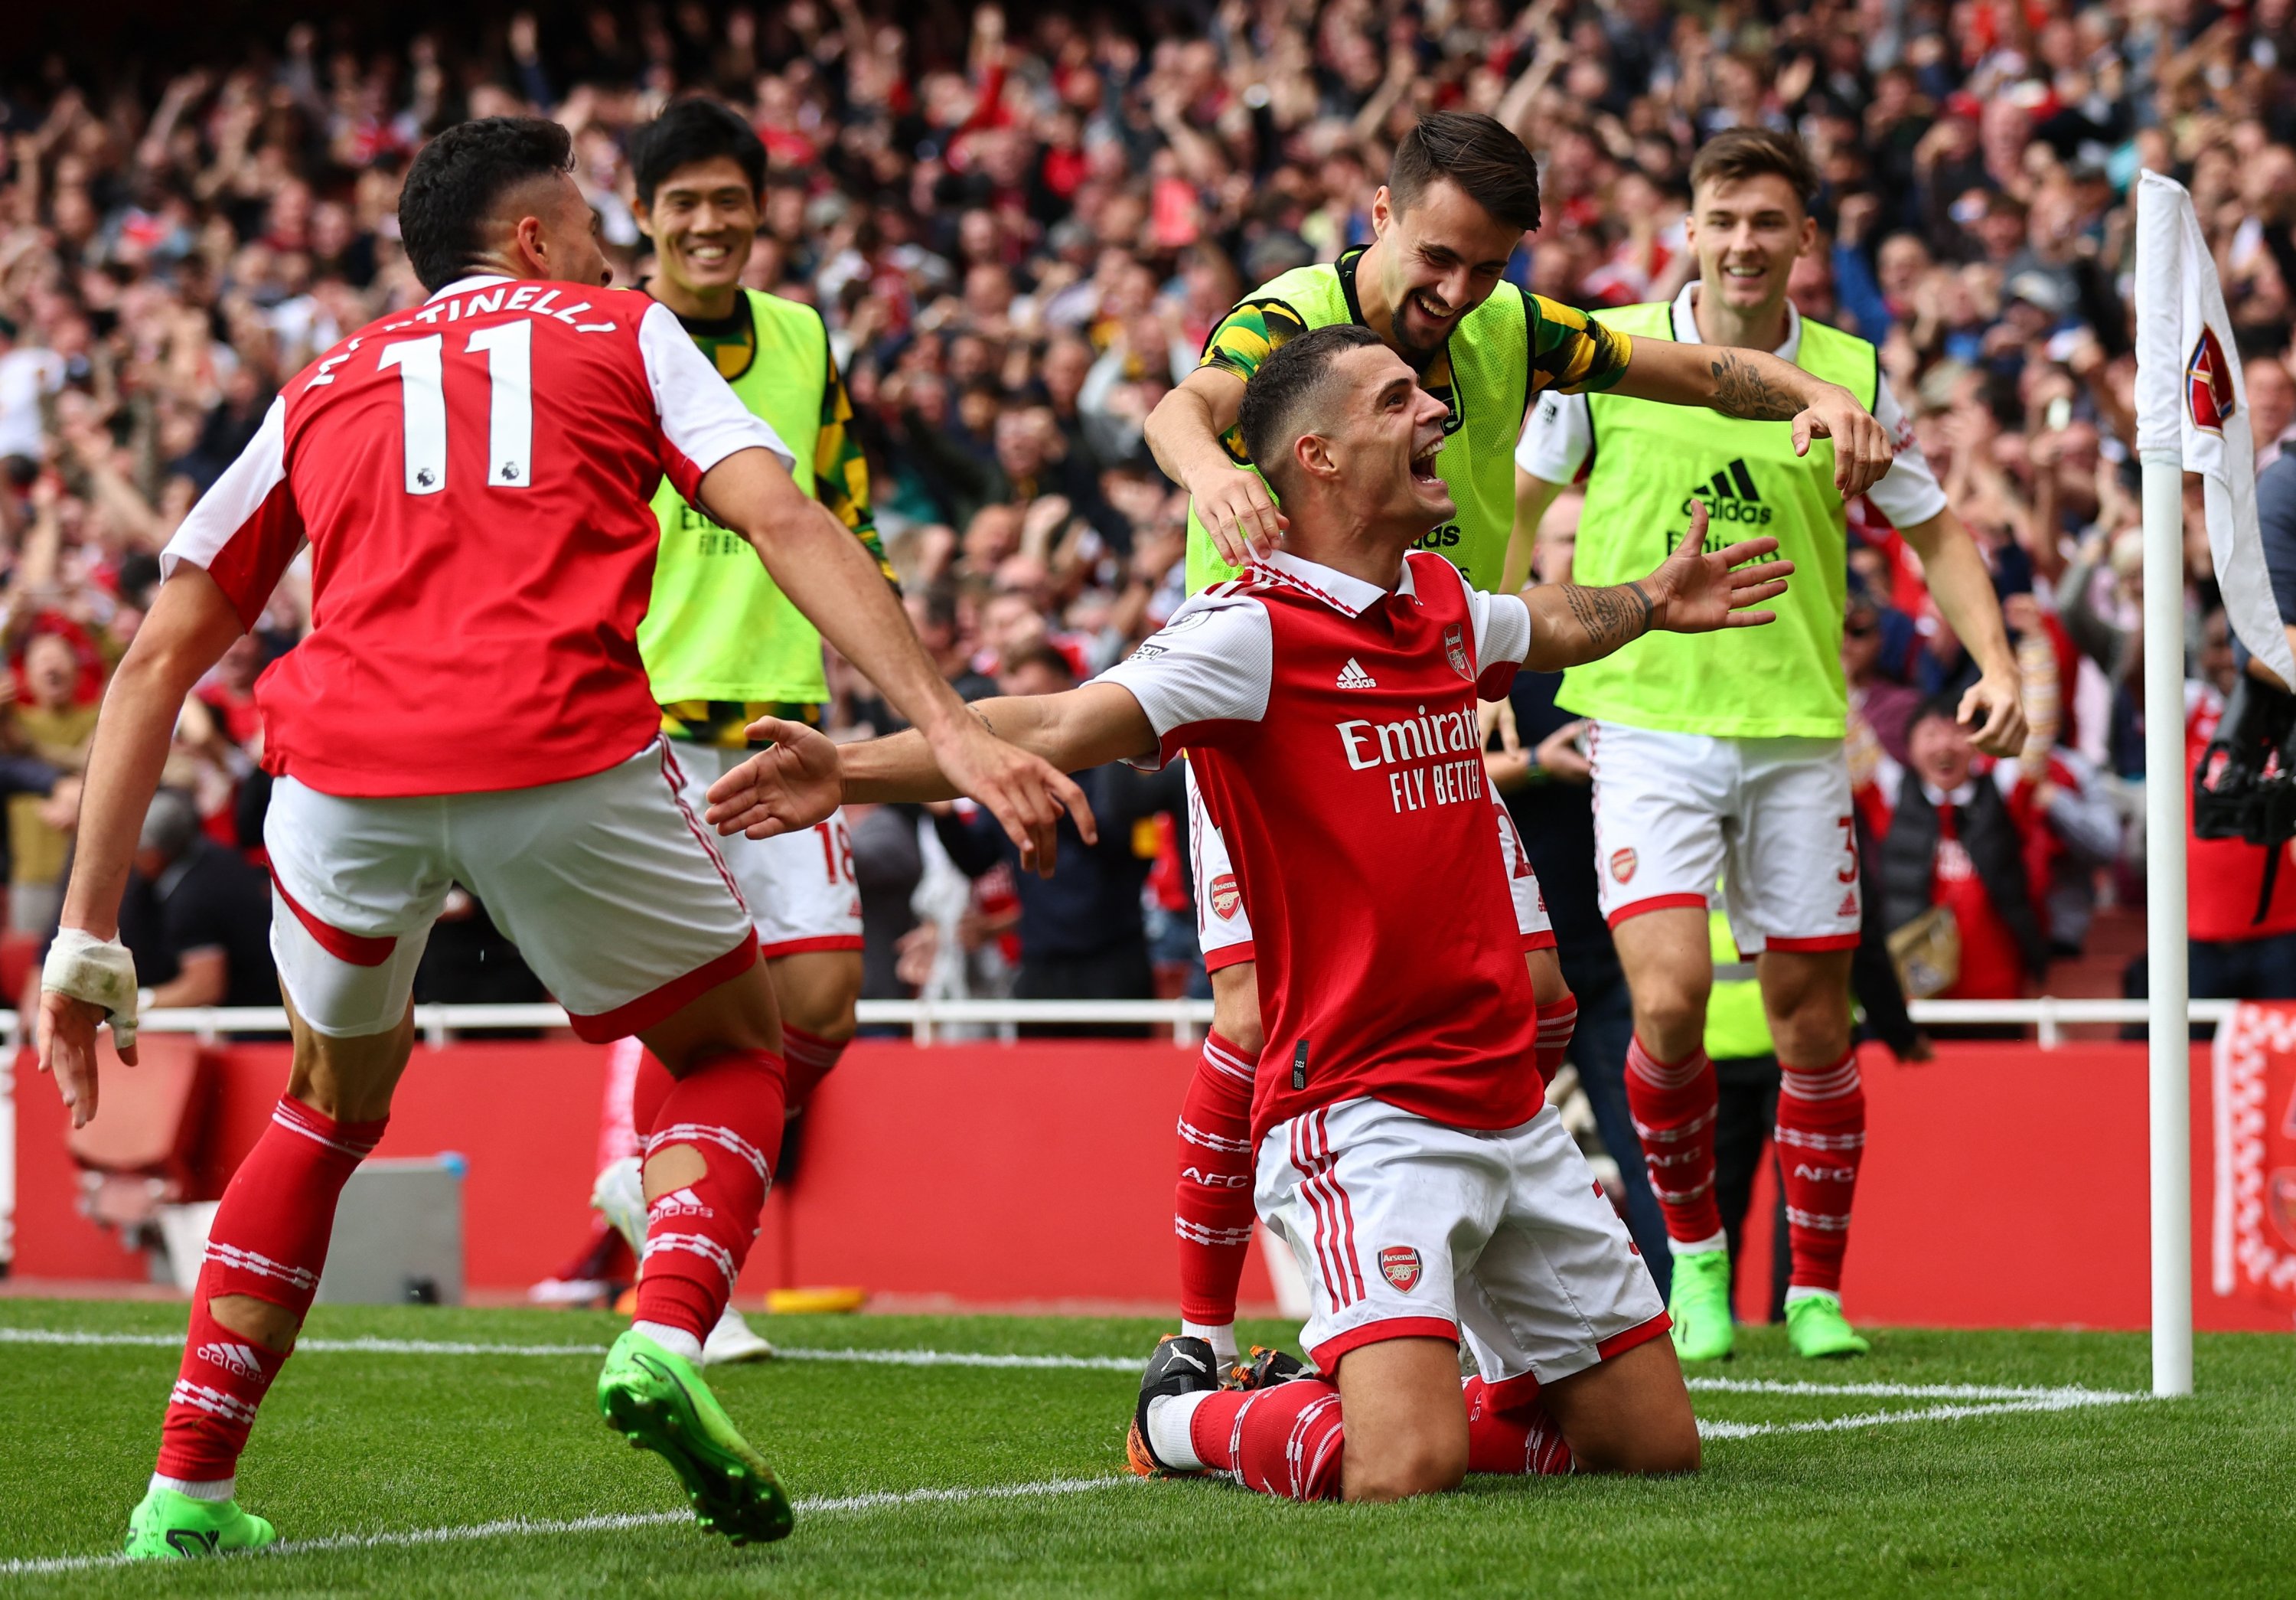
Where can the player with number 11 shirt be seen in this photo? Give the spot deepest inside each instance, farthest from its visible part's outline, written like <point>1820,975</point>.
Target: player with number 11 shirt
<point>472,477</point>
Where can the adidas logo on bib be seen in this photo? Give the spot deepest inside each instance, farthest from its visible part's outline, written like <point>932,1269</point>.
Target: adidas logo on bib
<point>1730,496</point>
<point>1353,677</point>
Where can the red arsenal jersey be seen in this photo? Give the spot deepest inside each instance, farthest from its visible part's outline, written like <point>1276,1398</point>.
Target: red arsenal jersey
<point>472,477</point>
<point>1332,725</point>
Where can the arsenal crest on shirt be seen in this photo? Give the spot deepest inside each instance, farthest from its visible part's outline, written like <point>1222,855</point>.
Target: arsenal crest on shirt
<point>1455,646</point>
<point>1399,1264</point>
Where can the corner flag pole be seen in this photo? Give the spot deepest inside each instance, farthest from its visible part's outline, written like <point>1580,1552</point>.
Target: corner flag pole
<point>2167,1032</point>
<point>2160,378</point>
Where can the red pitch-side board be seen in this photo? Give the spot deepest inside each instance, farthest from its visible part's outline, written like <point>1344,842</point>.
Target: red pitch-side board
<point>2003,1185</point>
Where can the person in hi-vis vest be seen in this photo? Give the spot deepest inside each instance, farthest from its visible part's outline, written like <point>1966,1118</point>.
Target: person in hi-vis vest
<point>722,645</point>
<point>1710,754</point>
<point>1460,194</point>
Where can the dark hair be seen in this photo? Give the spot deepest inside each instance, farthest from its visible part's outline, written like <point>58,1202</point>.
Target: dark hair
<point>454,186</point>
<point>695,129</point>
<point>1738,153</point>
<point>1047,656</point>
<point>1280,401</point>
<point>1477,152</point>
<point>1946,704</point>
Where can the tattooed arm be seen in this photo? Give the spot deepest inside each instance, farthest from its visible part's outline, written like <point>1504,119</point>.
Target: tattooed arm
<point>1761,388</point>
<point>1690,592</point>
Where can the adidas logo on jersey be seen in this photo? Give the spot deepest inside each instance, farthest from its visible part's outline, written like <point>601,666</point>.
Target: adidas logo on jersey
<point>1730,496</point>
<point>677,1202</point>
<point>236,1359</point>
<point>1353,677</point>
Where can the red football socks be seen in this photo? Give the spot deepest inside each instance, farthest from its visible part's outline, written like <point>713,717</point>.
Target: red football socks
<point>1284,1440</point>
<point>1821,1137</point>
<point>728,1111</point>
<point>1522,1440</point>
<point>811,1058</point>
<point>1556,1024</point>
<point>268,1243</point>
<point>1213,1211</point>
<point>1673,1107</point>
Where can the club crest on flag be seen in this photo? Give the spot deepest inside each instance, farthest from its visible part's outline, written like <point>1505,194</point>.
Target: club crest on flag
<point>1399,1265</point>
<point>2207,383</point>
<point>1455,646</point>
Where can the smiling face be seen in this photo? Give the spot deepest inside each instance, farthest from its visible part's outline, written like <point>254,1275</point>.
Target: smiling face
<point>703,220</point>
<point>1748,233</point>
<point>1379,450</point>
<point>1442,258</point>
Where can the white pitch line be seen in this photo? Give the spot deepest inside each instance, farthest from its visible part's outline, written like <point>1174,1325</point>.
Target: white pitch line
<point>610,1522</point>
<point>1713,1429</point>
<point>2073,1393</point>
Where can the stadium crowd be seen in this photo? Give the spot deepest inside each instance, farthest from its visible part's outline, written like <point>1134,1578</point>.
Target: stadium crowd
<point>1020,236</point>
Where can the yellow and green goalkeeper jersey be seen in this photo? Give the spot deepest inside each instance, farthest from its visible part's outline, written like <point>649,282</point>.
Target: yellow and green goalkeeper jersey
<point>1500,357</point>
<point>722,645</point>
<point>1651,464</point>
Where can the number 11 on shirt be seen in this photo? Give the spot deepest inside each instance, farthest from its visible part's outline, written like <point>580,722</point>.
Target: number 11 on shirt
<point>509,349</point>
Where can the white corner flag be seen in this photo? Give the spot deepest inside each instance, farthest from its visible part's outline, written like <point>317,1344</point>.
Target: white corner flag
<point>2192,403</point>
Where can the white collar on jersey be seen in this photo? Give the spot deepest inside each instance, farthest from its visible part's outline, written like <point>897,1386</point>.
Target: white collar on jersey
<point>1349,595</point>
<point>1685,323</point>
<point>477,280</point>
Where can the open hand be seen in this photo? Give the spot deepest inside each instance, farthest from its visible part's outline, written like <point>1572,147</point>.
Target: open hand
<point>1693,592</point>
<point>1862,451</point>
<point>783,790</point>
<point>67,1050</point>
<point>1025,793</point>
<point>1237,511</point>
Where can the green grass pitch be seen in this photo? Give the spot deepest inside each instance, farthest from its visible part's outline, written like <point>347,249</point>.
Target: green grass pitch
<point>2014,1466</point>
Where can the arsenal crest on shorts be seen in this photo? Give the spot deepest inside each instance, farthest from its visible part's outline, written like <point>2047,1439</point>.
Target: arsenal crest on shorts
<point>1400,1265</point>
<point>1455,646</point>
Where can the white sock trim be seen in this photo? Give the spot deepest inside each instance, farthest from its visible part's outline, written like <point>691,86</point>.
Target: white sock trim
<point>198,1488</point>
<point>1691,1247</point>
<point>678,1342</point>
<point>1168,1417</point>
<point>1799,1292</point>
<point>1220,1336</point>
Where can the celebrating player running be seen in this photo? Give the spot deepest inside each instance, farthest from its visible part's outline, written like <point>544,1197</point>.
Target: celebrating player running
<point>473,477</point>
<point>1403,1152</point>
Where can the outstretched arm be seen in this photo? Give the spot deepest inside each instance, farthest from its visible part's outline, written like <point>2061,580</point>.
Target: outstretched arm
<point>832,579</point>
<point>192,624</point>
<point>1692,591</point>
<point>1761,388</point>
<point>804,776</point>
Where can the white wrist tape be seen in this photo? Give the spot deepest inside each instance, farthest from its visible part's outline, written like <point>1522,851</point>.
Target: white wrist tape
<point>98,970</point>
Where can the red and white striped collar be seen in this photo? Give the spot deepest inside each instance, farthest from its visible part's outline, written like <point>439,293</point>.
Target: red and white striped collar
<point>1344,592</point>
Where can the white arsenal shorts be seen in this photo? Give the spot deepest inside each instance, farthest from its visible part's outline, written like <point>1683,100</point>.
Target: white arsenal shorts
<point>610,885</point>
<point>800,886</point>
<point>1224,931</point>
<point>1767,818</point>
<point>1407,1227</point>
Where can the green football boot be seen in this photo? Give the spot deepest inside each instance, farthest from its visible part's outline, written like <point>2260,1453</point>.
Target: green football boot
<point>659,1402</point>
<point>1701,1306</point>
<point>168,1526</point>
<point>1817,1329</point>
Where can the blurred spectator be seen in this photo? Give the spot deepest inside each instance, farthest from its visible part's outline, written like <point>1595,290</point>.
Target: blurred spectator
<point>1080,929</point>
<point>1981,842</point>
<point>207,941</point>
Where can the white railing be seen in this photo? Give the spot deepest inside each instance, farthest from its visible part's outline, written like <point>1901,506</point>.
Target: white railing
<point>439,1024</point>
